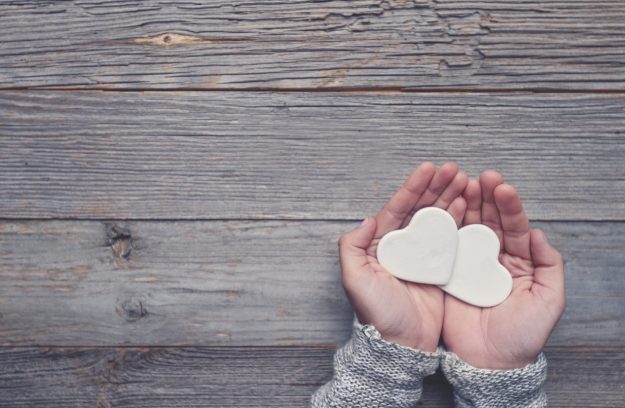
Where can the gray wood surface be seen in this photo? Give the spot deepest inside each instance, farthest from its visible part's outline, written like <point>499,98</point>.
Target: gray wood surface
<point>178,249</point>
<point>313,44</point>
<point>248,377</point>
<point>203,155</point>
<point>238,283</point>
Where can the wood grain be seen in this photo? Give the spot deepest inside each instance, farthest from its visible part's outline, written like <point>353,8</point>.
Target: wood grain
<point>199,155</point>
<point>221,288</point>
<point>310,44</point>
<point>238,283</point>
<point>248,377</point>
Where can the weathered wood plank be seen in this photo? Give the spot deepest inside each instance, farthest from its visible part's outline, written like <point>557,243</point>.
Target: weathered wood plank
<point>198,155</point>
<point>312,44</point>
<point>248,377</point>
<point>238,283</point>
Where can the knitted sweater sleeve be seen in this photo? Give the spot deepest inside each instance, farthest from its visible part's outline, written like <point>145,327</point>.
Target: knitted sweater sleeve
<point>369,371</point>
<point>480,388</point>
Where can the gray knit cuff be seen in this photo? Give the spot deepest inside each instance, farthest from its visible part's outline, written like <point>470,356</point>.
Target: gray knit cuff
<point>402,365</point>
<point>481,388</point>
<point>370,371</point>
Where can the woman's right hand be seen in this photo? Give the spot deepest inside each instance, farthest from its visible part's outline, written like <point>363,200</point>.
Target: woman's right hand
<point>513,333</point>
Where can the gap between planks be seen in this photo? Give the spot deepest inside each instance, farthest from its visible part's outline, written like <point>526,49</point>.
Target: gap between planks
<point>329,90</point>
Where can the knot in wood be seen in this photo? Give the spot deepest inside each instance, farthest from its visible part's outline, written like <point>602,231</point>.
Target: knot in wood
<point>132,309</point>
<point>120,239</point>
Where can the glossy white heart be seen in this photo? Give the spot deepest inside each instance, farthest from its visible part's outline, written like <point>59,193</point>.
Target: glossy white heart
<point>424,251</point>
<point>478,278</point>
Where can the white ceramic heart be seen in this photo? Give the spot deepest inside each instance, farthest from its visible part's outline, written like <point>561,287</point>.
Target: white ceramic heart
<point>424,251</point>
<point>478,278</point>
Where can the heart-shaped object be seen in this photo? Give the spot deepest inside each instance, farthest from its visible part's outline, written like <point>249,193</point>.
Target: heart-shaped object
<point>424,251</point>
<point>478,278</point>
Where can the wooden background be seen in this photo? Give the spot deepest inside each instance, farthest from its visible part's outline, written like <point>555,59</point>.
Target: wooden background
<point>174,176</point>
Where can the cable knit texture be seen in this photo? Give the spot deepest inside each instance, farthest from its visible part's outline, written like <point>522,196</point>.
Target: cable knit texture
<point>371,372</point>
<point>480,388</point>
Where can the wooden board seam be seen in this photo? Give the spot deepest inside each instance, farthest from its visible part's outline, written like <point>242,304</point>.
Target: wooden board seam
<point>329,90</point>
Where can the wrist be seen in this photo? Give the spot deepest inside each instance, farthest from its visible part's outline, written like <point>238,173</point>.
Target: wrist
<point>411,334</point>
<point>417,343</point>
<point>489,363</point>
<point>484,358</point>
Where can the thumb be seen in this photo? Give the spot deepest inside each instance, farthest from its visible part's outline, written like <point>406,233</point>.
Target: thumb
<point>353,247</point>
<point>543,254</point>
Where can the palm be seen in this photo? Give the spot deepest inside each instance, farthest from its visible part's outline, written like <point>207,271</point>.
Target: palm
<point>512,333</point>
<point>406,306</point>
<point>403,312</point>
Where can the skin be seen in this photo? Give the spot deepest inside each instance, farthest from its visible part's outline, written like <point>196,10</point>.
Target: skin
<point>509,335</point>
<point>406,313</point>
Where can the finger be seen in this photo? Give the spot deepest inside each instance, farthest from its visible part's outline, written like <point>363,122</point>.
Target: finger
<point>516,226</point>
<point>547,261</point>
<point>457,209</point>
<point>452,191</point>
<point>353,248</point>
<point>437,185</point>
<point>473,197</point>
<point>489,180</point>
<point>401,204</point>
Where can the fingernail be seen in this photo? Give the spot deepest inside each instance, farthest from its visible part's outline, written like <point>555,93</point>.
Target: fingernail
<point>364,222</point>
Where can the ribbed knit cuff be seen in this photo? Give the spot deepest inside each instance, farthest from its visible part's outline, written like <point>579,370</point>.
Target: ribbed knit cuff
<point>481,388</point>
<point>370,371</point>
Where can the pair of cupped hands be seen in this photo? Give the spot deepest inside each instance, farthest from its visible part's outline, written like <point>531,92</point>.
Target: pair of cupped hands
<point>509,335</point>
